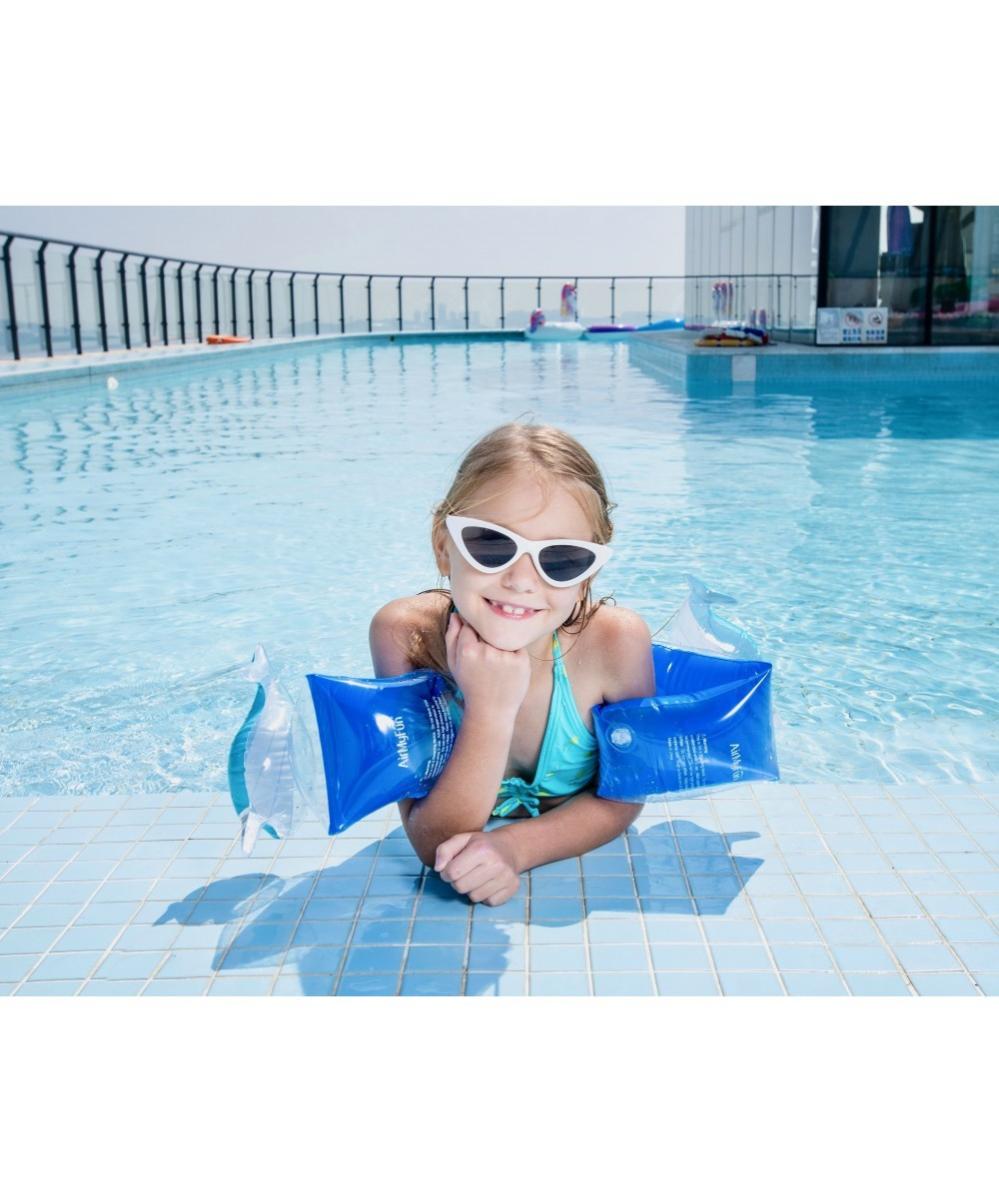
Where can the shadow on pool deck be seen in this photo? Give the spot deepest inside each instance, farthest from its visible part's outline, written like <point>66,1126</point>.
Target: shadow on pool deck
<point>268,920</point>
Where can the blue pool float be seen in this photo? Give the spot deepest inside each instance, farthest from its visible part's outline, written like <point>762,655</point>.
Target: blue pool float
<point>352,745</point>
<point>667,323</point>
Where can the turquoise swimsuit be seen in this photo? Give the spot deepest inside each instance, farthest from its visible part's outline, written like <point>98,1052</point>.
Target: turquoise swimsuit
<point>568,757</point>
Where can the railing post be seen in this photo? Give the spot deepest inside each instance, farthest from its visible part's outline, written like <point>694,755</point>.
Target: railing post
<point>369,305</point>
<point>197,297</point>
<point>502,302</point>
<point>215,299</point>
<point>270,307</point>
<point>75,298</point>
<point>180,301</point>
<point>433,302</point>
<point>343,323</point>
<point>232,293</point>
<point>778,323</point>
<point>163,307</point>
<point>249,297</point>
<point>650,300</point>
<point>315,297</point>
<point>125,329</point>
<point>291,291</point>
<point>46,320</point>
<point>9,274</point>
<point>539,292</point>
<point>613,299</point>
<point>145,300</point>
<point>101,314</point>
<point>398,290</point>
<point>466,302</point>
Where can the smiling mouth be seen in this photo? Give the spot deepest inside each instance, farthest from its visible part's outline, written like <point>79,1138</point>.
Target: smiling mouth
<point>515,612</point>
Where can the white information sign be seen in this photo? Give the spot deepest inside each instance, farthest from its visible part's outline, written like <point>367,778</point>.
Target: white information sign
<point>851,327</point>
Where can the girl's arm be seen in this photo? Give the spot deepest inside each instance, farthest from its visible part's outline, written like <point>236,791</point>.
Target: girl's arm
<point>494,683</point>
<point>576,826</point>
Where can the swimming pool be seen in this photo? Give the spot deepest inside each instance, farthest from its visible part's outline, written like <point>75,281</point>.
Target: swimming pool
<point>155,533</point>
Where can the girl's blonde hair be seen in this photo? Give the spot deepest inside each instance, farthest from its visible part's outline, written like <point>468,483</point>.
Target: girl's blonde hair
<point>554,457</point>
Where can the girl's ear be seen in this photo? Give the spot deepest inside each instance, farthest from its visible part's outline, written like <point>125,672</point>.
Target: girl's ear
<point>441,552</point>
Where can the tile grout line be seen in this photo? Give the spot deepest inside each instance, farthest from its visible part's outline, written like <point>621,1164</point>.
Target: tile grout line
<point>748,900</point>
<point>802,896</point>
<point>695,906</point>
<point>298,921</point>
<point>349,942</point>
<point>821,834</point>
<point>98,885</point>
<point>145,900</point>
<point>641,915</point>
<point>587,950</point>
<point>903,880</point>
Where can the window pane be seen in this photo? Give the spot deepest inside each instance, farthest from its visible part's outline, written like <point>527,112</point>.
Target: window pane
<point>966,275</point>
<point>113,312</point>
<point>519,301</point>
<point>355,305</point>
<point>304,305</point>
<point>877,255</point>
<point>60,300</point>
<point>27,305</point>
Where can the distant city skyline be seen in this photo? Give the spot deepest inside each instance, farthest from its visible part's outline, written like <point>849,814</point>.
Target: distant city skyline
<point>408,239</point>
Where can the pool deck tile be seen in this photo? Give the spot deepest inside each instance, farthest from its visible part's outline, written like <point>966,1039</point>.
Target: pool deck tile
<point>864,889</point>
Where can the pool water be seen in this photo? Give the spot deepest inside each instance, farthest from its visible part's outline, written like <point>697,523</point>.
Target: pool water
<point>154,534</point>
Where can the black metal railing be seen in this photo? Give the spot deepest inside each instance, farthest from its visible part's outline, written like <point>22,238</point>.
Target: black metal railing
<point>63,297</point>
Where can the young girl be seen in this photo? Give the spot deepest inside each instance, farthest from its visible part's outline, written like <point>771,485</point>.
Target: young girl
<point>520,535</point>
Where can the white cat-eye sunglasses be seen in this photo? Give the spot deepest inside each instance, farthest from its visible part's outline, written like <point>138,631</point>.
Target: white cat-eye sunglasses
<point>560,562</point>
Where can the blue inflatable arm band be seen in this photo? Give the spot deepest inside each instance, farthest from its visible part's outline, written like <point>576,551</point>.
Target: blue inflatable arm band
<point>709,724</point>
<point>382,740</point>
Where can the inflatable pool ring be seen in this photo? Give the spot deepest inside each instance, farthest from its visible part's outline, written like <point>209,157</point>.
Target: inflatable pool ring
<point>352,745</point>
<point>608,333</point>
<point>224,339</point>
<point>567,329</point>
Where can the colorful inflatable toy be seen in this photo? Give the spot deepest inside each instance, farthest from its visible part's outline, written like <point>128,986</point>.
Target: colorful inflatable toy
<point>567,329</point>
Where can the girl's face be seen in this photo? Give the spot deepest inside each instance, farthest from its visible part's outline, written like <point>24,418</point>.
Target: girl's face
<point>518,503</point>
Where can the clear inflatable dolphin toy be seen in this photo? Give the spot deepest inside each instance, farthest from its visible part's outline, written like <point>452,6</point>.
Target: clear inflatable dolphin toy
<point>695,627</point>
<point>351,745</point>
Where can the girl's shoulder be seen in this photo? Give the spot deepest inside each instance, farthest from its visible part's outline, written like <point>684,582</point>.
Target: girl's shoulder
<point>394,626</point>
<point>613,629</point>
<point>615,645</point>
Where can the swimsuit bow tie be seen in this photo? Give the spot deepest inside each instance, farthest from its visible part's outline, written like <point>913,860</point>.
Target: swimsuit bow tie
<point>516,792</point>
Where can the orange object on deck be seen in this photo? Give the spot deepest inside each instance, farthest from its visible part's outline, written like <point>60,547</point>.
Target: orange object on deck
<point>223,339</point>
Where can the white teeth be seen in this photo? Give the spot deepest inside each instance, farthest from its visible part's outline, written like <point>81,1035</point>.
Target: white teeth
<point>515,610</point>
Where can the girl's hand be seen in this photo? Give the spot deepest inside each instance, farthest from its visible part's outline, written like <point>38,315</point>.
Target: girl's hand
<point>479,865</point>
<point>490,679</point>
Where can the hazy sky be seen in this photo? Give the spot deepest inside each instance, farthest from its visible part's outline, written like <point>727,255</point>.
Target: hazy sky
<point>483,240</point>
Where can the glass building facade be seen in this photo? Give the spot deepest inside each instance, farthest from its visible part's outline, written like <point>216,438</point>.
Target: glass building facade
<point>934,268</point>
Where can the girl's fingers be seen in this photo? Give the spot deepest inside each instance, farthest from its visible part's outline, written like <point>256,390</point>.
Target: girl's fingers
<point>476,878</point>
<point>447,850</point>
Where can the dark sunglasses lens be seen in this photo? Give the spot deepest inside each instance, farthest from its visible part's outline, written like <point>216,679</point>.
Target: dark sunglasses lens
<point>564,563</point>
<point>488,547</point>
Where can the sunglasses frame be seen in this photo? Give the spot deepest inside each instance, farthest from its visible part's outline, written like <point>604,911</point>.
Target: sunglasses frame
<point>456,524</point>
